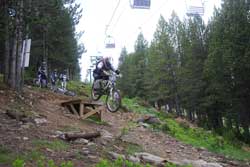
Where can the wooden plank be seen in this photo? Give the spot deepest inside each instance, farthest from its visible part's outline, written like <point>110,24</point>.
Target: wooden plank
<point>73,109</point>
<point>83,102</point>
<point>71,102</point>
<point>81,112</point>
<point>92,112</point>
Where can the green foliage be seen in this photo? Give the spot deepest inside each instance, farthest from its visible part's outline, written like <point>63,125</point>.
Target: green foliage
<point>199,71</point>
<point>42,162</point>
<point>133,69</point>
<point>119,163</point>
<point>103,163</point>
<point>18,163</point>
<point>51,163</point>
<point>168,164</point>
<point>66,164</point>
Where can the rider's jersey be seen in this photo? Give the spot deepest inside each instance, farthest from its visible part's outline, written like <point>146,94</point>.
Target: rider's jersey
<point>104,66</point>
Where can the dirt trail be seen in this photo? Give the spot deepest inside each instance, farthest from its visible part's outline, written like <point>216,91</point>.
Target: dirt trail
<point>118,126</point>
<point>161,144</point>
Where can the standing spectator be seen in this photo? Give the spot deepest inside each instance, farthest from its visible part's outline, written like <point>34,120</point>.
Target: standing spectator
<point>53,78</point>
<point>42,77</point>
<point>64,79</point>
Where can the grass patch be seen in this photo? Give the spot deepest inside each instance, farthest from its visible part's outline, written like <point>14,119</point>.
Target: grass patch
<point>56,145</point>
<point>197,137</point>
<point>41,162</point>
<point>6,156</point>
<point>121,163</point>
<point>33,156</point>
<point>79,87</point>
<point>131,149</point>
<point>134,105</point>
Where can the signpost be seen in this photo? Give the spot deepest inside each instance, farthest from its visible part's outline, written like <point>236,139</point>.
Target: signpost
<point>26,52</point>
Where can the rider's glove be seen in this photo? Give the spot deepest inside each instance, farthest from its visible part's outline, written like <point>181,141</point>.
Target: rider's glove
<point>117,72</point>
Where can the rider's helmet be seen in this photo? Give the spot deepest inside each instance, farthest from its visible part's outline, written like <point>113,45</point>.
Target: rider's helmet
<point>108,59</point>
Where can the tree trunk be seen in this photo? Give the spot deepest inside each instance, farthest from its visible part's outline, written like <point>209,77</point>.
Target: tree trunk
<point>13,61</point>
<point>177,104</point>
<point>19,49</point>
<point>189,115</point>
<point>7,53</point>
<point>246,133</point>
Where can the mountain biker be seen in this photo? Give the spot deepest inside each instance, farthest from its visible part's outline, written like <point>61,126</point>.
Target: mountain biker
<point>102,68</point>
<point>53,78</point>
<point>101,72</point>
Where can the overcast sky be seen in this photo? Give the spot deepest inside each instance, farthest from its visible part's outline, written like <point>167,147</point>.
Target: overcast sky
<point>125,24</point>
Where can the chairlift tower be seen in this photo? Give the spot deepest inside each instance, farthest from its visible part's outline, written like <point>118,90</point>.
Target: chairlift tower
<point>93,60</point>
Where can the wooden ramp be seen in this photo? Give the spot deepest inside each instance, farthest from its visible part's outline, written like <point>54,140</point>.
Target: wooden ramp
<point>84,109</point>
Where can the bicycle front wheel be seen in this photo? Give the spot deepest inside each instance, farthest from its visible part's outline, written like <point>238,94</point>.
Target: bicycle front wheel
<point>113,101</point>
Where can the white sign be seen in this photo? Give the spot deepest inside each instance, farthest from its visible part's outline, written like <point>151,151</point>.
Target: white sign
<point>26,52</point>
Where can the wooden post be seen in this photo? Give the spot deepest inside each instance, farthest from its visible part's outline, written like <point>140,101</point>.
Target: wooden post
<point>81,112</point>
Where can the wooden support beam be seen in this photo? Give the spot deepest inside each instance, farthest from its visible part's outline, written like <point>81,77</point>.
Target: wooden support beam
<point>73,109</point>
<point>92,112</point>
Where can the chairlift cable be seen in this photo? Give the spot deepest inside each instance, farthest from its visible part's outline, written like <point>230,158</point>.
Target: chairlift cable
<point>156,11</point>
<point>112,16</point>
<point>150,17</point>
<point>118,18</point>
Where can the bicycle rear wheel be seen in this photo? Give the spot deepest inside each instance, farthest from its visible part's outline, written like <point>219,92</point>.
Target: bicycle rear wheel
<point>95,94</point>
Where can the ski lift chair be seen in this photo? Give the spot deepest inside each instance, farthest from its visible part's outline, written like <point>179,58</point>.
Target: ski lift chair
<point>109,42</point>
<point>195,10</point>
<point>140,4</point>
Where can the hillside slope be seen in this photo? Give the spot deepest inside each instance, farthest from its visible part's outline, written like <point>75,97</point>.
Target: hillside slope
<point>35,136</point>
